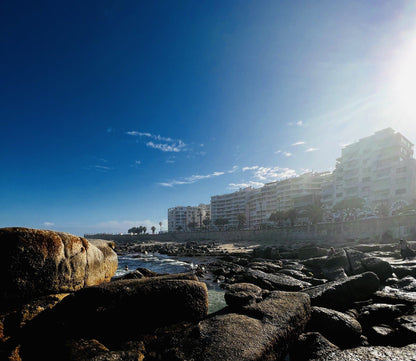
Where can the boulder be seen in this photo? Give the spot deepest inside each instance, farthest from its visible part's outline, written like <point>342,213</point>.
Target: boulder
<point>265,331</point>
<point>311,346</point>
<point>266,252</point>
<point>331,267</point>
<point>271,282</point>
<point>380,313</point>
<point>311,252</point>
<point>339,295</point>
<point>242,294</point>
<point>339,328</point>
<point>406,327</point>
<point>403,271</point>
<point>393,295</point>
<point>36,262</point>
<point>116,311</point>
<point>360,262</point>
<point>375,353</point>
<point>406,284</point>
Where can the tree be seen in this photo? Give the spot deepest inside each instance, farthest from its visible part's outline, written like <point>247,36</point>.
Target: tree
<point>153,229</point>
<point>349,205</point>
<point>206,222</point>
<point>220,222</point>
<point>144,230</point>
<point>241,217</point>
<point>315,212</point>
<point>160,225</point>
<point>383,209</point>
<point>192,225</point>
<point>291,215</point>
<point>277,217</point>
<point>179,228</point>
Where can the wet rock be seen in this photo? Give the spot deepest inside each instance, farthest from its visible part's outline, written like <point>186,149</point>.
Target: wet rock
<point>278,321</point>
<point>380,313</point>
<point>271,282</point>
<point>242,294</point>
<point>375,353</point>
<point>339,295</point>
<point>339,328</point>
<point>35,262</point>
<point>311,346</point>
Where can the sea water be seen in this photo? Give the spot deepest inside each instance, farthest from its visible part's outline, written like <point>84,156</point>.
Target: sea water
<point>164,264</point>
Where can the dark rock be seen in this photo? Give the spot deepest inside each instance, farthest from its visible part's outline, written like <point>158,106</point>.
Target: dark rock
<point>242,294</point>
<point>406,284</point>
<point>311,346</point>
<point>280,318</point>
<point>266,267</point>
<point>339,295</point>
<point>406,326</point>
<point>271,281</point>
<point>266,252</point>
<point>394,296</point>
<point>331,267</point>
<point>375,353</point>
<point>339,328</point>
<point>360,262</point>
<point>311,252</point>
<point>295,274</point>
<point>383,335</point>
<point>403,271</point>
<point>35,262</point>
<point>380,313</point>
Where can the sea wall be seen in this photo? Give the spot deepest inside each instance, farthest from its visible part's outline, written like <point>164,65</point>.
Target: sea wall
<point>376,228</point>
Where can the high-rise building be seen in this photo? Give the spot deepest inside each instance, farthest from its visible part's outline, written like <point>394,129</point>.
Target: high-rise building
<point>188,218</point>
<point>379,169</point>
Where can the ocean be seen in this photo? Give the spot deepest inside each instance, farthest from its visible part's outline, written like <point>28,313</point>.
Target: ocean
<point>167,264</point>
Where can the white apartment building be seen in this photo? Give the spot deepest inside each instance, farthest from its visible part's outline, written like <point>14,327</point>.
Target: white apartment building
<point>379,168</point>
<point>295,192</point>
<point>229,206</point>
<point>179,218</point>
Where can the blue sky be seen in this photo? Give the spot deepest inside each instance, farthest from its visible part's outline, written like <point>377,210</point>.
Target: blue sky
<point>113,111</point>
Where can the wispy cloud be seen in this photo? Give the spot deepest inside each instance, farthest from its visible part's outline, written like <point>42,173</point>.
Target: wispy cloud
<point>165,144</point>
<point>234,169</point>
<point>237,186</point>
<point>191,179</point>
<point>48,224</point>
<point>299,123</point>
<point>271,174</point>
<point>250,168</point>
<point>287,154</point>
<point>311,149</point>
<point>164,147</point>
<point>101,168</point>
<point>298,143</point>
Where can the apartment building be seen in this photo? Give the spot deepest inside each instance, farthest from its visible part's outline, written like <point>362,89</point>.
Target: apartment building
<point>179,218</point>
<point>296,192</point>
<point>379,169</point>
<point>229,206</point>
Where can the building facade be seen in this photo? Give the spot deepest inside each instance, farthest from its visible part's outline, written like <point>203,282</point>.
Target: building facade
<point>188,218</point>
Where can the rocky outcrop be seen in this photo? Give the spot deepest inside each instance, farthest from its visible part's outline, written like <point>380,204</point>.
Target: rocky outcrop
<point>35,262</point>
<point>339,295</point>
<point>339,328</point>
<point>311,346</point>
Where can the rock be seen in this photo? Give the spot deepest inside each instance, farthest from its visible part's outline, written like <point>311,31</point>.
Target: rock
<point>116,311</point>
<point>406,326</point>
<point>380,313</point>
<point>375,353</point>
<point>295,274</point>
<point>360,262</point>
<point>331,267</point>
<point>266,267</point>
<point>242,294</point>
<point>279,319</point>
<point>34,263</point>
<point>339,295</point>
<point>271,282</point>
<point>311,346</point>
<point>394,296</point>
<point>266,252</point>
<point>339,328</point>
<point>406,284</point>
<point>403,271</point>
<point>311,252</point>
<point>382,335</point>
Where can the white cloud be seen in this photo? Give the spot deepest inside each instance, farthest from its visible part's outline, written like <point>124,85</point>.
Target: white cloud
<point>101,168</point>
<point>250,168</point>
<point>138,162</point>
<point>278,152</point>
<point>48,224</point>
<point>234,169</point>
<point>299,123</point>
<point>287,154</point>
<point>175,147</point>
<point>311,149</point>
<point>272,174</point>
<point>298,143</point>
<point>237,186</point>
<point>191,179</point>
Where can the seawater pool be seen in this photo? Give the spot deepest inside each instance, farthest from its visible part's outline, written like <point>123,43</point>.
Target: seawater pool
<point>165,264</point>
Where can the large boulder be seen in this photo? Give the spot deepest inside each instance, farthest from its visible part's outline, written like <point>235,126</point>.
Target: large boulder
<point>311,346</point>
<point>37,262</point>
<point>272,282</point>
<point>339,328</point>
<point>263,332</point>
<point>339,295</point>
<point>115,312</point>
<point>375,353</point>
<point>360,262</point>
<point>241,294</point>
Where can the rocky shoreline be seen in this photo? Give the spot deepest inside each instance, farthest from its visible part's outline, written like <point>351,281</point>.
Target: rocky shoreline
<point>304,302</point>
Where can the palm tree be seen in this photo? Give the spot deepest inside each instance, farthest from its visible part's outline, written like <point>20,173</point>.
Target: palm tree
<point>315,212</point>
<point>277,217</point>
<point>291,215</point>
<point>160,225</point>
<point>153,229</point>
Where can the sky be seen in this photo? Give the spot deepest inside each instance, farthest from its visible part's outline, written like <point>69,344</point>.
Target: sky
<point>111,112</point>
